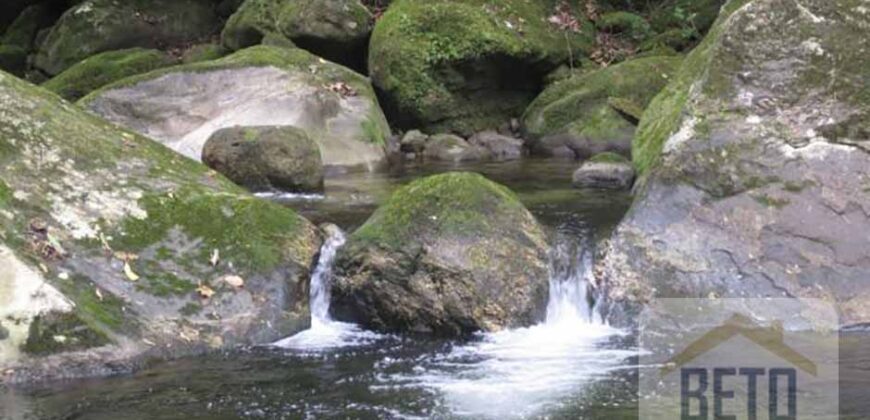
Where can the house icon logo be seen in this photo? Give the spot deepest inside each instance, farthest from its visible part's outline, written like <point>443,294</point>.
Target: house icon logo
<point>738,359</point>
<point>770,338</point>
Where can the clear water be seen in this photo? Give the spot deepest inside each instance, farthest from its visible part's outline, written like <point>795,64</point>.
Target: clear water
<point>571,366</point>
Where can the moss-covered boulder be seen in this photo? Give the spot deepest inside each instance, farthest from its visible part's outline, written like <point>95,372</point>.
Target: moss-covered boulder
<point>337,30</point>
<point>134,244</point>
<point>468,65</point>
<point>447,255</point>
<point>596,112</point>
<point>266,158</point>
<point>95,26</point>
<point>451,148</point>
<point>102,69</point>
<point>755,165</point>
<point>22,32</point>
<point>183,106</point>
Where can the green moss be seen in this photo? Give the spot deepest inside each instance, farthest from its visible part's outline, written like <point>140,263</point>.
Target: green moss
<point>5,194</point>
<point>457,203</point>
<point>608,157</point>
<point>190,309</point>
<point>665,114</point>
<point>581,102</point>
<point>165,284</point>
<point>631,24</point>
<point>102,69</point>
<point>203,52</point>
<point>374,131</point>
<point>57,332</point>
<point>423,53</point>
<point>769,201</point>
<point>255,235</point>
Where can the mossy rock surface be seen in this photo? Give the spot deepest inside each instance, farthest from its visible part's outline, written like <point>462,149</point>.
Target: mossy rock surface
<point>337,30</point>
<point>468,65</point>
<point>22,32</point>
<point>576,116</point>
<point>447,255</point>
<point>754,164</point>
<point>126,230</point>
<point>102,69</point>
<point>95,26</point>
<point>257,86</point>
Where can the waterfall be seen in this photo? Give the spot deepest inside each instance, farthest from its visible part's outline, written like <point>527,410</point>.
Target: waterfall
<point>326,333</point>
<point>571,263</point>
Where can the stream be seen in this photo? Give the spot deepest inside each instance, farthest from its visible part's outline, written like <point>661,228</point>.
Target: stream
<point>572,365</point>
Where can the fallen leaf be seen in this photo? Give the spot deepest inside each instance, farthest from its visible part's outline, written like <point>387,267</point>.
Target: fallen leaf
<point>204,291</point>
<point>99,294</point>
<point>129,272</point>
<point>215,258</point>
<point>234,281</point>
<point>126,256</point>
<point>148,342</point>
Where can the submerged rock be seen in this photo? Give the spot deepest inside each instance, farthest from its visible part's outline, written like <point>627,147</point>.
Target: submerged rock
<point>754,164</point>
<point>500,147</point>
<point>447,255</point>
<point>99,70</point>
<point>596,112</point>
<point>465,65</point>
<point>605,171</point>
<point>184,105</point>
<point>337,30</point>
<point>266,158</point>
<point>94,26</point>
<point>113,248</point>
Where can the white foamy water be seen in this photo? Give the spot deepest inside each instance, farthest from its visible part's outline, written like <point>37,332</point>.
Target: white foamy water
<point>522,372</point>
<point>326,333</point>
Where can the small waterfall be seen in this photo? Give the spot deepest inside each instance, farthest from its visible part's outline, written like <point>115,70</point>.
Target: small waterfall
<point>571,263</point>
<point>322,275</point>
<point>326,333</point>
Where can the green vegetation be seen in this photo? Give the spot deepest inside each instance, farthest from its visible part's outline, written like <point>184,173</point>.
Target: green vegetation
<point>102,69</point>
<point>608,157</point>
<point>57,332</point>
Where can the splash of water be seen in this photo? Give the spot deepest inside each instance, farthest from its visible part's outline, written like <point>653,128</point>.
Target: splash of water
<point>326,333</point>
<point>521,372</point>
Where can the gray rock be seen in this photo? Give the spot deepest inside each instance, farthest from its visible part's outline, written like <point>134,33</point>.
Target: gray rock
<point>447,255</point>
<point>451,148</point>
<point>260,86</point>
<point>754,165</point>
<point>4,333</point>
<point>414,141</point>
<point>501,147</point>
<point>266,158</point>
<point>604,175</point>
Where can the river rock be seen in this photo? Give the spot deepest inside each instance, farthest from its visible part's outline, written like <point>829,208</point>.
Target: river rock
<point>754,164</point>
<point>337,30</point>
<point>266,158</point>
<point>596,112</point>
<point>183,106</point>
<point>605,171</point>
<point>413,141</point>
<point>119,245</point>
<point>500,147</point>
<point>94,26</point>
<point>104,68</point>
<point>450,148</point>
<point>446,255</point>
<point>459,66</point>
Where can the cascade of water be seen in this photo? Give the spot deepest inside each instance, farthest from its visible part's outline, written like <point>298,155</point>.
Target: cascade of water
<point>570,275</point>
<point>322,275</point>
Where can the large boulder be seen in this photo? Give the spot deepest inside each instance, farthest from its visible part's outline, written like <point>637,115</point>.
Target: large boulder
<point>755,165</point>
<point>337,30</point>
<point>469,65</point>
<point>266,158</point>
<point>115,250</point>
<point>447,255</point>
<point>102,69</point>
<point>94,26</point>
<point>596,112</point>
<point>183,106</point>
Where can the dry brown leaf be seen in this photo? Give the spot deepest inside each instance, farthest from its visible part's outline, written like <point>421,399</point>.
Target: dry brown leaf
<point>234,281</point>
<point>129,272</point>
<point>215,258</point>
<point>99,294</point>
<point>204,291</point>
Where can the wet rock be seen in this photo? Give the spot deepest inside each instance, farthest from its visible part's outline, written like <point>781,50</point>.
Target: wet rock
<point>458,67</point>
<point>414,141</point>
<point>266,158</point>
<point>753,165</point>
<point>102,69</point>
<point>605,171</point>
<point>446,255</point>
<point>500,147</point>
<point>95,26</point>
<point>576,117</point>
<point>108,242</point>
<point>4,333</point>
<point>337,30</point>
<point>450,148</point>
<point>183,106</point>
